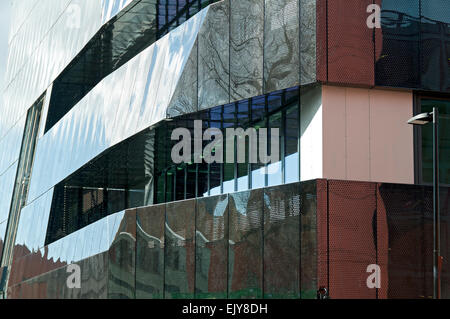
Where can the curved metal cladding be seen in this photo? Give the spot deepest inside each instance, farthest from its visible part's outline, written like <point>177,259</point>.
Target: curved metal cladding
<point>44,37</point>
<point>103,250</point>
<point>49,38</point>
<point>175,75</point>
<point>410,50</point>
<point>131,99</point>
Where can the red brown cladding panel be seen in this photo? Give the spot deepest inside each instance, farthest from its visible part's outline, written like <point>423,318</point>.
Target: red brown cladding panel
<point>350,42</point>
<point>352,238</point>
<point>382,246</point>
<point>322,233</point>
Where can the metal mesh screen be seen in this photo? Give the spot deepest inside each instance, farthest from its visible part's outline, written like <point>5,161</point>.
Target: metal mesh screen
<point>179,255</point>
<point>150,252</point>
<point>399,62</point>
<point>352,238</point>
<point>245,252</point>
<point>409,219</point>
<point>350,43</point>
<point>211,247</point>
<point>282,242</point>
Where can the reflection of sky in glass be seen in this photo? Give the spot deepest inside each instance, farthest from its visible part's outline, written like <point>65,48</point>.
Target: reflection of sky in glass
<point>258,176</point>
<point>88,241</point>
<point>433,9</point>
<point>5,12</point>
<point>112,7</point>
<point>86,131</point>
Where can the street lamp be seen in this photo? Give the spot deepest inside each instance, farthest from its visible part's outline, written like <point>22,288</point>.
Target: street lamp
<point>423,119</point>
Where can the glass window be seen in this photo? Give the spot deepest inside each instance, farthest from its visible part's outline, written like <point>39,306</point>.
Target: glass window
<point>444,141</point>
<point>274,169</point>
<point>291,154</point>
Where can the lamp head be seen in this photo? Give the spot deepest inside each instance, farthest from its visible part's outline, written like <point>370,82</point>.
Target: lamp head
<point>421,119</point>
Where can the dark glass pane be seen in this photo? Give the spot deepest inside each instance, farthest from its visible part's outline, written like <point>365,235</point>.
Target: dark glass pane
<point>245,254</point>
<point>180,182</point>
<point>191,181</point>
<point>202,180</point>
<point>435,38</point>
<point>160,189</point>
<point>211,247</point>
<point>444,141</point>
<point>214,178</point>
<point>170,176</point>
<point>150,252</point>
<point>282,242</point>
<point>180,250</point>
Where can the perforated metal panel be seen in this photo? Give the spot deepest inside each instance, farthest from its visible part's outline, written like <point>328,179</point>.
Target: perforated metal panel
<point>350,43</point>
<point>409,219</point>
<point>352,238</point>
<point>282,242</point>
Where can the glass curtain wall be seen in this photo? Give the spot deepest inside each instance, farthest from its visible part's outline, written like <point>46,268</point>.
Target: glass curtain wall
<point>140,171</point>
<point>426,150</point>
<point>278,110</point>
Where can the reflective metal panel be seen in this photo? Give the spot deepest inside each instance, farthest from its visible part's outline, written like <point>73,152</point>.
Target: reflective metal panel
<point>85,131</point>
<point>94,277</point>
<point>179,258</point>
<point>10,144</point>
<point>33,225</point>
<point>122,259</point>
<point>282,242</point>
<point>112,7</point>
<point>246,48</point>
<point>184,98</point>
<point>214,58</point>
<point>308,240</point>
<point>2,235</point>
<point>211,247</point>
<point>50,37</point>
<point>245,256</point>
<point>308,31</point>
<point>150,252</point>
<point>281,45</point>
<point>7,186</point>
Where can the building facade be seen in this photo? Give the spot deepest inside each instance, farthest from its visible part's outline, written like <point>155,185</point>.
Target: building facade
<point>95,89</point>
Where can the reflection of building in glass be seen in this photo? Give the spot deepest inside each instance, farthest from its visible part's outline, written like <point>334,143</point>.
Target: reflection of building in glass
<point>85,148</point>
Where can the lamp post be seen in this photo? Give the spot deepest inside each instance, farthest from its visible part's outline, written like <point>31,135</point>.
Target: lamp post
<point>423,119</point>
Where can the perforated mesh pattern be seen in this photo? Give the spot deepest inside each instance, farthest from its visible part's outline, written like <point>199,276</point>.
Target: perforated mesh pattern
<point>350,44</point>
<point>352,238</point>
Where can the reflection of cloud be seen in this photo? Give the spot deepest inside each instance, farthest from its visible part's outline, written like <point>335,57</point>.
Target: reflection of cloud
<point>5,9</point>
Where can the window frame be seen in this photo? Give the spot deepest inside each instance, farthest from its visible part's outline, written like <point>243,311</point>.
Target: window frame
<point>418,156</point>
